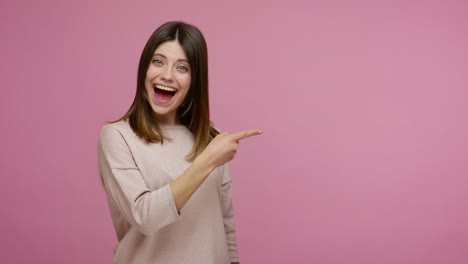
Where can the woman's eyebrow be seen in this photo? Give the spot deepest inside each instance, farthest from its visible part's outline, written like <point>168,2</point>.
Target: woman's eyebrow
<point>162,55</point>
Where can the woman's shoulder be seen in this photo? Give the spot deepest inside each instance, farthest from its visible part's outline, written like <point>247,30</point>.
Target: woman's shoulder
<point>120,127</point>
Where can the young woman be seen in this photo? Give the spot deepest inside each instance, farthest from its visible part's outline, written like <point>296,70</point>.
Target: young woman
<point>164,166</point>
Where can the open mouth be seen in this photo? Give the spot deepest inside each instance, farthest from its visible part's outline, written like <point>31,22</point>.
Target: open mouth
<point>163,94</point>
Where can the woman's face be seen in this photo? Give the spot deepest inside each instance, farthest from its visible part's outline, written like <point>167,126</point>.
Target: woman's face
<point>167,81</point>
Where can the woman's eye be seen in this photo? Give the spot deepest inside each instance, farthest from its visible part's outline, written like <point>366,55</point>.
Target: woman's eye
<point>183,68</point>
<point>156,61</point>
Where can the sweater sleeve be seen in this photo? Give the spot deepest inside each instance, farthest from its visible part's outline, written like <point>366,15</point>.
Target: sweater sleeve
<point>228,214</point>
<point>147,210</point>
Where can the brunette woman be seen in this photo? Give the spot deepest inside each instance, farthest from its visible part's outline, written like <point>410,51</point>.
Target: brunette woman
<point>164,166</point>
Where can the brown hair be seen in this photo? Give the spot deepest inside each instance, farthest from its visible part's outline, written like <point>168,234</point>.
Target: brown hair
<point>194,112</point>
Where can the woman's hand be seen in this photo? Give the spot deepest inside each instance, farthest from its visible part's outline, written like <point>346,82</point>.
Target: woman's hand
<point>223,148</point>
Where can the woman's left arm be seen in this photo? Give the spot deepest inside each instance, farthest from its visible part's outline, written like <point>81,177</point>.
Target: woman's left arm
<point>228,214</point>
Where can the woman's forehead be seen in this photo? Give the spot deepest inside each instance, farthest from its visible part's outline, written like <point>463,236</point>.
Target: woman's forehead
<point>171,50</point>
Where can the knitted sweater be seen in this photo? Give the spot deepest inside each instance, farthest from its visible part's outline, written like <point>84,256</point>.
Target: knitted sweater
<point>136,177</point>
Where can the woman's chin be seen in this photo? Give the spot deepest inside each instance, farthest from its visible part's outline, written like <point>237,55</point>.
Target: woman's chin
<point>165,112</point>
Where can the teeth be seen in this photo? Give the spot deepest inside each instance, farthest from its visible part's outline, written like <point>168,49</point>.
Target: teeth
<point>165,88</point>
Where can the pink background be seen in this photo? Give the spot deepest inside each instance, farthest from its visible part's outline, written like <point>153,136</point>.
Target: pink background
<point>364,158</point>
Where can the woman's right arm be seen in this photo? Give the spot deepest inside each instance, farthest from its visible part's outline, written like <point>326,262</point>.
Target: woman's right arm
<point>145,209</point>
<point>150,210</point>
<point>221,149</point>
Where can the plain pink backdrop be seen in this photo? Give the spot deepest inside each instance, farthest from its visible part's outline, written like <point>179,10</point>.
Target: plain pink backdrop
<point>364,158</point>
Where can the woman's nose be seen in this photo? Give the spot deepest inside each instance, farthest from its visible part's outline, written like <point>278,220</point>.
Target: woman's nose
<point>167,75</point>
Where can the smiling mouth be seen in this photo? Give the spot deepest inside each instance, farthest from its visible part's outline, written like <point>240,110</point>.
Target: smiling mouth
<point>163,94</point>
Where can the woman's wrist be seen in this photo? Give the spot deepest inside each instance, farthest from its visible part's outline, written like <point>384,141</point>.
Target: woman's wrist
<point>202,165</point>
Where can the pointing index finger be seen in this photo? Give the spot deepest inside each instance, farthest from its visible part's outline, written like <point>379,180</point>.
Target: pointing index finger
<point>246,134</point>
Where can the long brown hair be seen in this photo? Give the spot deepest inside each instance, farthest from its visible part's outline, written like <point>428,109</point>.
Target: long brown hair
<point>194,112</point>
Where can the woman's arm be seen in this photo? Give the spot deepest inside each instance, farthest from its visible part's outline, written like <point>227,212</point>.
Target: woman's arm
<point>150,210</point>
<point>225,194</point>
<point>221,149</point>
<point>147,210</point>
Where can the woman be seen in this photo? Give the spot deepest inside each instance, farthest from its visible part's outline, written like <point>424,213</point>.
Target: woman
<point>164,167</point>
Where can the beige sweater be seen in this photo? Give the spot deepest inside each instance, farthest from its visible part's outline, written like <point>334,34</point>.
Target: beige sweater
<point>136,177</point>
